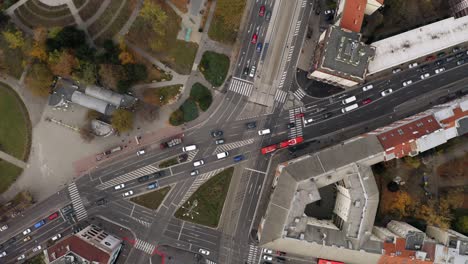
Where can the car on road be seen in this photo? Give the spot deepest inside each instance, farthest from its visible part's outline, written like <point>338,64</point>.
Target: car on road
<point>329,12</point>
<point>251,125</point>
<point>21,257</point>
<point>396,70</point>
<point>460,62</point>
<point>259,47</point>
<point>219,141</point>
<point>254,38</point>
<point>12,240</point>
<point>238,158</point>
<point>159,174</point>
<point>143,178</point>
<point>152,185</point>
<point>425,68</point>
<point>291,125</point>
<point>267,257</point>
<point>412,65</point>
<point>408,82</point>
<point>222,155</point>
<point>53,216</point>
<point>56,237</point>
<point>439,70</point>
<point>3,228</point>
<point>2,254</point>
<point>101,201</point>
<point>39,224</point>
<point>264,132</point>
<point>204,251</point>
<point>366,101</point>
<point>37,248</point>
<point>141,152</point>
<point>267,251</point>
<point>459,55</point>
<point>424,76</point>
<point>386,92</point>
<point>120,186</point>
<point>198,163</point>
<point>216,133</point>
<point>327,115</point>
<point>246,71</point>
<point>26,239</point>
<point>456,49</point>
<point>268,15</point>
<point>194,173</point>
<point>252,71</point>
<point>308,121</point>
<point>368,87</point>
<point>126,194</point>
<point>261,12</point>
<point>439,62</point>
<point>300,115</point>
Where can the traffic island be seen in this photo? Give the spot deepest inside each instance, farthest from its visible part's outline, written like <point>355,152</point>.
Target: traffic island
<point>152,200</point>
<point>205,206</point>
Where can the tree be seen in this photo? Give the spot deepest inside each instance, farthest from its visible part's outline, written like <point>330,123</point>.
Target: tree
<point>39,49</point>
<point>125,57</point>
<point>39,79</point>
<point>14,38</point>
<point>461,224</point>
<point>68,37</point>
<point>136,72</point>
<point>122,120</point>
<point>40,35</point>
<point>62,63</point>
<point>155,16</point>
<point>413,162</point>
<point>402,204</point>
<point>176,118</point>
<point>110,74</point>
<point>38,52</point>
<point>85,73</point>
<point>86,133</point>
<point>431,216</point>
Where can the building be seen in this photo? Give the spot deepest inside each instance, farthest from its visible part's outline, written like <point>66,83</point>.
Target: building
<point>102,100</point>
<point>459,8</point>
<point>341,58</point>
<point>350,13</point>
<point>90,245</point>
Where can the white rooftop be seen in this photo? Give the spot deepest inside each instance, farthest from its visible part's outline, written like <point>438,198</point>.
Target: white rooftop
<point>419,42</point>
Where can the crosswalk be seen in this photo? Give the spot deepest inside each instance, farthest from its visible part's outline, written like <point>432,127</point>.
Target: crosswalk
<point>254,252</point>
<point>128,176</point>
<point>283,77</point>
<point>192,155</point>
<point>144,223</point>
<point>280,96</point>
<point>299,94</point>
<point>298,26</point>
<point>241,87</point>
<point>290,53</point>
<point>233,145</point>
<point>202,178</point>
<point>145,246</point>
<point>76,202</point>
<point>210,261</point>
<point>297,130</point>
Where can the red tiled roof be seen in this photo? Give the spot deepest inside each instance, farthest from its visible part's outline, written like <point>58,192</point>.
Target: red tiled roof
<point>79,247</point>
<point>400,139</point>
<point>353,15</point>
<point>457,114</point>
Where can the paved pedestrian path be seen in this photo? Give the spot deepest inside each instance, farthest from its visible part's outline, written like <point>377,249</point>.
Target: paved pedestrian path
<point>17,162</point>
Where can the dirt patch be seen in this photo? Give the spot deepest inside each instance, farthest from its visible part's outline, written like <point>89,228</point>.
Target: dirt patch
<point>181,5</point>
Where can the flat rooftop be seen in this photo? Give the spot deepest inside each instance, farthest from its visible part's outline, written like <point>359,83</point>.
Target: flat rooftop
<point>419,42</point>
<point>345,55</point>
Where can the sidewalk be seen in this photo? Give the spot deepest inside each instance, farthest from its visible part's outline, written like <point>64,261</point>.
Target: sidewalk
<point>12,160</point>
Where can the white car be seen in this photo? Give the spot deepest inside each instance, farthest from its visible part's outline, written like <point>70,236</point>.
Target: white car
<point>56,237</point>
<point>120,186</point>
<point>37,248</point>
<point>194,173</point>
<point>368,87</point>
<point>21,257</point>
<point>141,152</point>
<point>204,251</point>
<point>27,231</point>
<point>396,70</point>
<point>252,71</point>
<point>424,76</point>
<point>2,254</point>
<point>412,65</point>
<point>198,163</point>
<point>128,193</point>
<point>439,70</point>
<point>3,228</point>
<point>267,251</point>
<point>307,121</point>
<point>264,132</point>
<point>386,92</point>
<point>267,257</point>
<point>329,12</point>
<point>408,82</point>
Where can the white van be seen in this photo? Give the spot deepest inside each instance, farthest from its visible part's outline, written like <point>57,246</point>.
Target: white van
<point>349,108</point>
<point>264,132</point>
<point>189,148</point>
<point>349,100</point>
<point>222,155</point>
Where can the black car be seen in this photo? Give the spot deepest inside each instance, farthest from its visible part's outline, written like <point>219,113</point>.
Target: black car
<point>439,62</point>
<point>216,133</point>
<point>459,55</point>
<point>11,241</point>
<point>159,174</point>
<point>460,62</point>
<point>268,15</point>
<point>246,70</point>
<point>425,68</point>
<point>143,178</point>
<point>183,157</point>
<point>251,125</point>
<point>101,201</point>
<point>291,125</point>
<point>327,115</point>
<point>451,58</point>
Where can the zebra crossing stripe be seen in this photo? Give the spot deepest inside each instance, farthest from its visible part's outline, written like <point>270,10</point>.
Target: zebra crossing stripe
<point>144,246</point>
<point>297,130</point>
<point>253,252</point>
<point>280,96</point>
<point>233,145</point>
<point>241,87</point>
<point>142,222</point>
<point>76,202</point>
<point>128,176</point>
<point>299,94</point>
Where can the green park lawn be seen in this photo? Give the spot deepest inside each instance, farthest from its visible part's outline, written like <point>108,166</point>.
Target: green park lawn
<point>153,199</point>
<point>214,67</point>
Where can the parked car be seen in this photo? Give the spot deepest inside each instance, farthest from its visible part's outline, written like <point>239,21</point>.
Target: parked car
<point>21,257</point>
<point>2,254</point>
<point>39,224</point>
<point>267,257</point>
<point>396,70</point>
<point>368,87</point>
<point>37,248</point>
<point>366,101</point>
<point>439,70</point>
<point>268,15</point>
<point>412,65</point>
<point>153,185</point>
<point>259,47</point>
<point>460,62</point>
<point>56,237</point>
<point>26,239</point>
<point>120,186</point>
<point>267,251</point>
<point>439,62</point>
<point>53,216</point>
<point>424,76</point>
<point>126,194</point>
<point>204,251</point>
<point>386,92</point>
<point>329,12</point>
<point>408,82</point>
<point>3,228</point>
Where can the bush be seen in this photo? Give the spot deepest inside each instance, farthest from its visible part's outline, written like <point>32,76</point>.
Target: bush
<point>122,120</point>
<point>168,163</point>
<point>190,110</point>
<point>202,96</point>
<point>176,118</point>
<point>68,37</point>
<point>214,67</point>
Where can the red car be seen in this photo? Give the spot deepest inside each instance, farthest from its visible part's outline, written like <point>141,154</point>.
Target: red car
<point>53,216</point>
<point>366,101</point>
<point>262,11</point>
<point>254,38</point>
<point>268,149</point>
<point>300,115</point>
